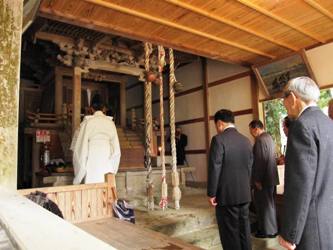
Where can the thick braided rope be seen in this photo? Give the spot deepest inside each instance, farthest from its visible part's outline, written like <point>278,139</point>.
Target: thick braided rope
<point>176,193</point>
<point>164,190</point>
<point>148,115</point>
<point>172,110</point>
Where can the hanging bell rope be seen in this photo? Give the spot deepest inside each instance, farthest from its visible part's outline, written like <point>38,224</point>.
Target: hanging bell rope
<point>148,129</point>
<point>164,189</point>
<point>176,193</point>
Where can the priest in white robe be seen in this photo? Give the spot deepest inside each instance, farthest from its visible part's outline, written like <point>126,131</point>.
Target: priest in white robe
<point>96,149</point>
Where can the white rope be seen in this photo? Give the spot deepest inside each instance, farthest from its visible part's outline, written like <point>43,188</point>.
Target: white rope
<point>148,128</point>
<point>164,190</point>
<point>175,177</point>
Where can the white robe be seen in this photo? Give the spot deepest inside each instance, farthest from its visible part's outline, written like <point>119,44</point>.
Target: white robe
<point>96,149</point>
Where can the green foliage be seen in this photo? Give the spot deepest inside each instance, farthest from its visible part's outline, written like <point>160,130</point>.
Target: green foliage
<point>325,96</point>
<point>274,112</point>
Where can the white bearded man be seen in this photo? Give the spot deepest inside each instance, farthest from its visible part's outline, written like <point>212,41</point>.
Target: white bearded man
<point>95,146</point>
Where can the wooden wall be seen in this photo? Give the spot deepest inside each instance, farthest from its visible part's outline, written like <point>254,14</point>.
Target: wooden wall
<point>229,87</point>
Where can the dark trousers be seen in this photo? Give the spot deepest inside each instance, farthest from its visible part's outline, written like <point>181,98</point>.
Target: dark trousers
<point>234,226</point>
<point>264,201</point>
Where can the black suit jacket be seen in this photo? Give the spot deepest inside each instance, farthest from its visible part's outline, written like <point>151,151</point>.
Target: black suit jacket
<point>264,163</point>
<point>308,195</point>
<point>181,143</point>
<point>229,170</point>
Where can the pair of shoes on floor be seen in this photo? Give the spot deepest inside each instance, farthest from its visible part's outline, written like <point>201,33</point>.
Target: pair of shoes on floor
<point>261,235</point>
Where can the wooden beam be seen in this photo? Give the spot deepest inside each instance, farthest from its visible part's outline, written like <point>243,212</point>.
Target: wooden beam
<point>30,10</point>
<point>116,30</point>
<point>58,92</point>
<point>314,4</point>
<point>174,25</point>
<point>41,35</point>
<point>206,103</point>
<point>76,101</point>
<point>281,20</point>
<point>123,69</point>
<point>221,19</point>
<point>57,39</point>
<point>255,96</point>
<point>123,104</point>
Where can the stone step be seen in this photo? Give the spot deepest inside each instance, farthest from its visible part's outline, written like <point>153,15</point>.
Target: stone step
<point>206,238</point>
<point>177,222</point>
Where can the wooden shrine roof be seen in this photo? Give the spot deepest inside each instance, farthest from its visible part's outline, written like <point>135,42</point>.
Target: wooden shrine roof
<point>239,31</point>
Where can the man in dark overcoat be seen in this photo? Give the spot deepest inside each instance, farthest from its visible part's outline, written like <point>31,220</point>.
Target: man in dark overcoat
<point>307,221</point>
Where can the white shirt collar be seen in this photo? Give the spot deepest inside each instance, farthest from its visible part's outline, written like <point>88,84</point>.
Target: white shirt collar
<point>307,106</point>
<point>229,126</point>
<point>98,112</point>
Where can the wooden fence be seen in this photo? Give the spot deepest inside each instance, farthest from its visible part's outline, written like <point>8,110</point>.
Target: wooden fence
<point>80,203</point>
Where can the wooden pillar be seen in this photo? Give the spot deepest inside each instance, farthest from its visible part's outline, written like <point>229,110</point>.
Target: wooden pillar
<point>76,102</point>
<point>123,104</point>
<point>58,90</point>
<point>206,103</point>
<point>255,96</point>
<point>10,47</point>
<point>35,159</point>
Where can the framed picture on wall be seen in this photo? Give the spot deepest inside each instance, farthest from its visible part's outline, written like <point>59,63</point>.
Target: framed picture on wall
<point>274,76</point>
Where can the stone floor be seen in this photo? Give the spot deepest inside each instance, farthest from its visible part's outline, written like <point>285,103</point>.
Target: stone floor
<point>194,223</point>
<point>5,243</point>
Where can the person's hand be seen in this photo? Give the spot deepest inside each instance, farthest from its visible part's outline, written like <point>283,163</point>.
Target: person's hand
<point>212,201</point>
<point>286,244</point>
<point>258,185</point>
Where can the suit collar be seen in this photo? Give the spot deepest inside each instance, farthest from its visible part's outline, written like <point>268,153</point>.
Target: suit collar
<point>308,109</point>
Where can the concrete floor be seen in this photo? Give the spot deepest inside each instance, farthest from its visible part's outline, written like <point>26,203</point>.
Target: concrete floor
<point>194,223</point>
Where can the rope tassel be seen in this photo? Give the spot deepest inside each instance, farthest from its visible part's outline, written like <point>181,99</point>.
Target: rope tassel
<point>164,194</point>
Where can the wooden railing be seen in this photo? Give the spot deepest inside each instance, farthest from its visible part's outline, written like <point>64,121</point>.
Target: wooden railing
<point>45,120</point>
<point>80,203</point>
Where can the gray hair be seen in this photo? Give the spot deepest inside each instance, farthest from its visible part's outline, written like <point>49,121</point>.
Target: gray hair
<point>305,88</point>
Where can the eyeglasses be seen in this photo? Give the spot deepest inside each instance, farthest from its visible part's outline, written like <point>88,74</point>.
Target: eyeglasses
<point>286,94</point>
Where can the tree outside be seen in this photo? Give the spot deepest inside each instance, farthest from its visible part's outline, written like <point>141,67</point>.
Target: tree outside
<point>275,112</point>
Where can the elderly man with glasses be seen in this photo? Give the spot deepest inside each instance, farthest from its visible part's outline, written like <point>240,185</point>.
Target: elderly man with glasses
<point>308,197</point>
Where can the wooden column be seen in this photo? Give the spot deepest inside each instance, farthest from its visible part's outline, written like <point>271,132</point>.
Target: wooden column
<point>35,159</point>
<point>10,48</point>
<point>123,104</point>
<point>205,103</point>
<point>76,109</point>
<point>58,90</point>
<point>255,96</point>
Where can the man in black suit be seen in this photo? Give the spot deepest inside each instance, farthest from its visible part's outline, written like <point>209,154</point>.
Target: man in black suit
<point>308,196</point>
<point>264,180</point>
<point>229,173</point>
<point>181,143</point>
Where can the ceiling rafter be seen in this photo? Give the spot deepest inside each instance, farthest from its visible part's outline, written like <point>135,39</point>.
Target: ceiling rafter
<point>320,8</point>
<point>177,26</point>
<point>231,23</point>
<point>281,20</point>
<point>93,24</point>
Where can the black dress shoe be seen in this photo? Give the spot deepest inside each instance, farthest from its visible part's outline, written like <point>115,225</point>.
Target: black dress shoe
<point>262,236</point>
<point>271,235</point>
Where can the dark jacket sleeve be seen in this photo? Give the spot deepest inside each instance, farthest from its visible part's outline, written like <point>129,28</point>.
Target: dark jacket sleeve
<point>184,140</point>
<point>259,161</point>
<point>301,168</point>
<point>214,167</point>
